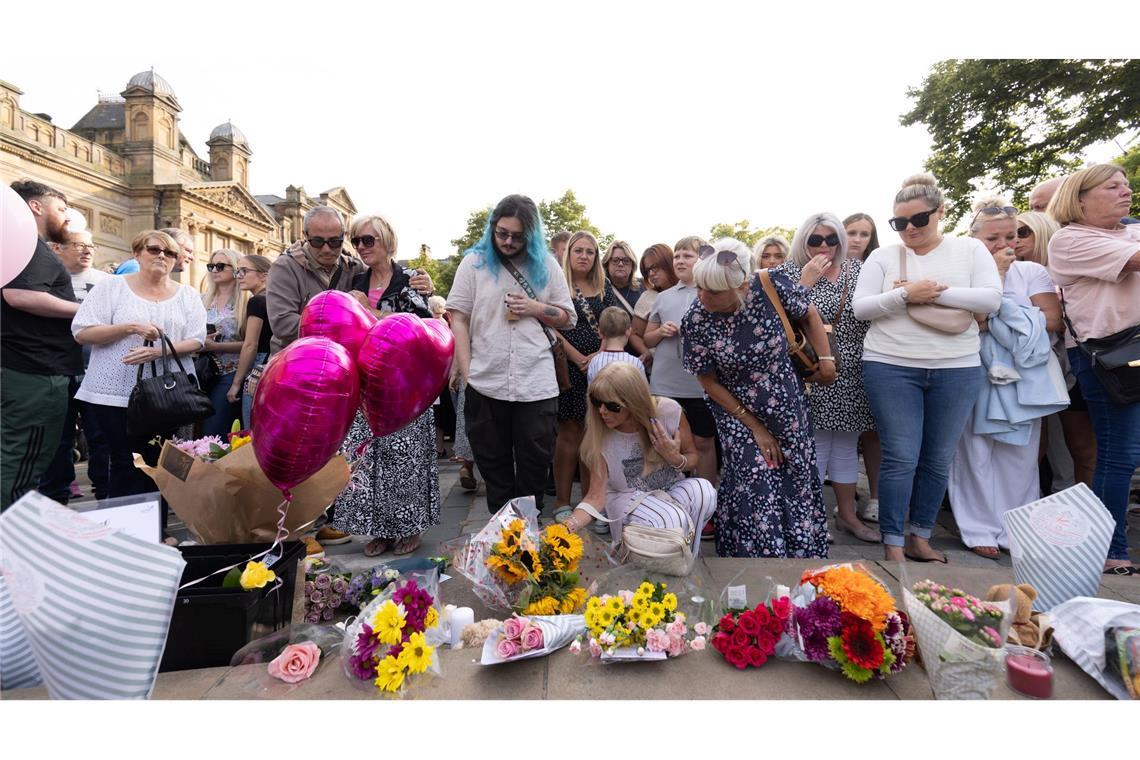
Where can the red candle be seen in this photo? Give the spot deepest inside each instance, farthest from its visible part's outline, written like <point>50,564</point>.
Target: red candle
<point>1029,672</point>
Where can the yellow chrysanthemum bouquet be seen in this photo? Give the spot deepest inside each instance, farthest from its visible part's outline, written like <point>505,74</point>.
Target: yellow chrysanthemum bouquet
<point>643,624</point>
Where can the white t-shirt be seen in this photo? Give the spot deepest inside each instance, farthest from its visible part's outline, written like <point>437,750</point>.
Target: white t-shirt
<point>108,381</point>
<point>84,282</point>
<point>1026,279</point>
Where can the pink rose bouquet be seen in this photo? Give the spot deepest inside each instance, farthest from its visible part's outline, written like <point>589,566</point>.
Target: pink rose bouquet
<point>519,636</point>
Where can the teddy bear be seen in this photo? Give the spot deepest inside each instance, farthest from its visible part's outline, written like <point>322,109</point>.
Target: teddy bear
<point>1029,628</point>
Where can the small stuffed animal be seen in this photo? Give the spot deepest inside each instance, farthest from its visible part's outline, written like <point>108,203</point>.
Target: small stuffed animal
<point>1029,628</point>
<point>475,634</point>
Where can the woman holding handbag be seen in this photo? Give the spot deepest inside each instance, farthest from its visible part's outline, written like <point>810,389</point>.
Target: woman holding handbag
<point>921,367</point>
<point>770,501</point>
<point>839,412</point>
<point>638,448</point>
<point>591,294</point>
<point>252,274</point>
<point>1095,258</point>
<point>115,319</point>
<point>225,306</point>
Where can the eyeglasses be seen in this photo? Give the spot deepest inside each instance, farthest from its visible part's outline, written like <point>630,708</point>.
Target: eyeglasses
<point>504,236</point>
<point>241,272</point>
<point>919,220</point>
<point>84,246</point>
<point>615,261</point>
<point>815,241</point>
<point>1023,232</point>
<point>364,241</point>
<point>158,250</point>
<point>317,243</point>
<point>612,406</point>
<point>724,258</point>
<point>217,267</point>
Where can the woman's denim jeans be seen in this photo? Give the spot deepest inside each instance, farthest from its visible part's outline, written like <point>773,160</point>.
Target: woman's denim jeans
<point>224,412</point>
<point>1117,429</point>
<point>920,415</point>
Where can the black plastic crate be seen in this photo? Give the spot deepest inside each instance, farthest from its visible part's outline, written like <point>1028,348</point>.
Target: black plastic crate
<point>210,623</point>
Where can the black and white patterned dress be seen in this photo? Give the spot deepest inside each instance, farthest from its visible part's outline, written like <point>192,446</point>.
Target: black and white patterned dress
<point>394,492</point>
<point>843,405</point>
<point>585,339</point>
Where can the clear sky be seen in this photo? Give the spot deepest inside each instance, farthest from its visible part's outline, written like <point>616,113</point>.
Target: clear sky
<point>663,117</point>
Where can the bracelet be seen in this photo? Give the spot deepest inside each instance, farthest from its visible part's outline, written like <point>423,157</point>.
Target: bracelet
<point>826,359</point>
<point>739,412</point>
<point>683,466</point>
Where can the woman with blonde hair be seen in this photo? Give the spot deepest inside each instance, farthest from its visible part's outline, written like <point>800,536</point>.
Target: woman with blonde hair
<point>770,252</point>
<point>620,265</point>
<point>225,306</point>
<point>1034,230</point>
<point>921,366</point>
<point>839,412</point>
<point>394,493</point>
<point>252,275</point>
<point>1095,258</point>
<point>591,294</point>
<point>995,468</point>
<point>770,501</point>
<point>637,448</point>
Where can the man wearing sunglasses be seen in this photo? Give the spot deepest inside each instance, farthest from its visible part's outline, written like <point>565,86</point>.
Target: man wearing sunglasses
<point>318,263</point>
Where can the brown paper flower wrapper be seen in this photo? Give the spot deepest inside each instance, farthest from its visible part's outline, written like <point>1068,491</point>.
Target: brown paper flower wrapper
<point>230,501</point>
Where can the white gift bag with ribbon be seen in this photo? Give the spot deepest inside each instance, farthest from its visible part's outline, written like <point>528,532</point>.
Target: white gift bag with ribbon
<point>1059,543</point>
<point>557,632</point>
<point>94,604</point>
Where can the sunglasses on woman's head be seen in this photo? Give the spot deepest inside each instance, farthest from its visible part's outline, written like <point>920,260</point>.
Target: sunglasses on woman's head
<point>724,258</point>
<point>919,220</point>
<point>217,267</point>
<point>815,241</point>
<point>613,406</point>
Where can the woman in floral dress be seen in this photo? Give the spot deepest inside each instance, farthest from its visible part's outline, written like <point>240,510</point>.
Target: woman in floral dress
<point>770,502</point>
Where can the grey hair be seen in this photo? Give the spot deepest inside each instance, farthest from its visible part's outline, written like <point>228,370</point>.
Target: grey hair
<point>316,211</point>
<point>800,256</point>
<point>710,275</point>
<point>920,186</point>
<point>180,236</point>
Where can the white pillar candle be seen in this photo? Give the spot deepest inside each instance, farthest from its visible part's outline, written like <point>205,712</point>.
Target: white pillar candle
<point>461,617</point>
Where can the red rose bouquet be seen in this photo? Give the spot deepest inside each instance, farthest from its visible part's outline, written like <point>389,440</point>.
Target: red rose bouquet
<point>747,638</point>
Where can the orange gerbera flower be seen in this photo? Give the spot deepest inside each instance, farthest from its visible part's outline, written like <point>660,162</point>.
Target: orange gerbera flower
<point>856,592</point>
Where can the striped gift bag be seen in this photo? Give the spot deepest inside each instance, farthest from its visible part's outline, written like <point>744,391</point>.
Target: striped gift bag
<point>1058,544</point>
<point>94,604</point>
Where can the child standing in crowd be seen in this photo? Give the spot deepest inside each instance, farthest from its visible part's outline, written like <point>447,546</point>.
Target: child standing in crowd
<point>614,329</point>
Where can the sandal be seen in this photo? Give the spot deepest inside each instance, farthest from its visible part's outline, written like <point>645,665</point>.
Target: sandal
<point>376,547</point>
<point>989,552</point>
<point>561,514</point>
<point>1123,570</point>
<point>406,545</point>
<point>916,558</point>
<point>863,532</point>
<point>467,478</point>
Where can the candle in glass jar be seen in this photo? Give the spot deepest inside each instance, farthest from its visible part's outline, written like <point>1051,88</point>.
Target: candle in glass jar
<point>1030,673</point>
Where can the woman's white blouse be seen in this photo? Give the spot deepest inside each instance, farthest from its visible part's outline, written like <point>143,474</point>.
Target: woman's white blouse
<point>112,302</point>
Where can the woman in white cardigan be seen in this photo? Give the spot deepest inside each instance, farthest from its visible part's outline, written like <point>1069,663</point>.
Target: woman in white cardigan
<point>921,380</point>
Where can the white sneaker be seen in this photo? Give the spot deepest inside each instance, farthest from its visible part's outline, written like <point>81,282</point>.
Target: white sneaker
<point>601,528</point>
<point>869,511</point>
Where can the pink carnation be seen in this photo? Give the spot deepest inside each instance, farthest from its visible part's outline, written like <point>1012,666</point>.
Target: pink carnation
<point>595,648</point>
<point>626,597</point>
<point>675,646</point>
<point>701,628</point>
<point>698,643</point>
<point>656,640</point>
<point>676,628</point>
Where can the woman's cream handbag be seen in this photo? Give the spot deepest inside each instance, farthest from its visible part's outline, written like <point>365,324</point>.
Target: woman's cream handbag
<point>668,551</point>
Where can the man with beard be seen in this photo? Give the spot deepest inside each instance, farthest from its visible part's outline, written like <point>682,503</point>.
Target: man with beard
<point>38,356</point>
<point>501,320</point>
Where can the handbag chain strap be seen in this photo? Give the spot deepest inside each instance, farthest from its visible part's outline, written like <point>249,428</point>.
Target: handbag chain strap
<point>510,267</point>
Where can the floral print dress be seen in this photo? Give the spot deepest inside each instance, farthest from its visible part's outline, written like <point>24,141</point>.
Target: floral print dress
<point>761,511</point>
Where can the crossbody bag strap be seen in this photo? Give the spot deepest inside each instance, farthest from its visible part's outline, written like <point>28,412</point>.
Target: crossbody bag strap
<point>842,296</point>
<point>584,304</point>
<point>510,267</point>
<point>336,276</point>
<point>770,290</point>
<point>624,303</point>
<point>902,263</point>
<point>1065,317</point>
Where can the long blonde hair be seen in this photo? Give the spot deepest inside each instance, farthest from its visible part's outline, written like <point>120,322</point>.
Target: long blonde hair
<point>596,275</point>
<point>624,384</point>
<point>1043,227</point>
<point>238,300</point>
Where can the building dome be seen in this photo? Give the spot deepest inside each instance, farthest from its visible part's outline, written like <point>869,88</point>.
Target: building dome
<point>229,133</point>
<point>149,80</point>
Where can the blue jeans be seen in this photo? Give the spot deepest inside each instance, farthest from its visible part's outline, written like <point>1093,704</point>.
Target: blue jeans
<point>225,413</point>
<point>1117,430</point>
<point>920,415</point>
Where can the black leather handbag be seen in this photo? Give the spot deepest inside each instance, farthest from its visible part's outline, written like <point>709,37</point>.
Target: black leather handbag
<point>165,401</point>
<point>208,370</point>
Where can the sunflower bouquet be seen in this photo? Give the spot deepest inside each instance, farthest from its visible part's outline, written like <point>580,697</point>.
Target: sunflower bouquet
<point>845,619</point>
<point>397,635</point>
<point>643,624</point>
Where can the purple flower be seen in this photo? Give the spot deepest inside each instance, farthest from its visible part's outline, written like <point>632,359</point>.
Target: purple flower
<point>366,643</point>
<point>816,622</point>
<point>316,597</point>
<point>323,581</point>
<point>327,614</point>
<point>363,668</point>
<point>339,586</point>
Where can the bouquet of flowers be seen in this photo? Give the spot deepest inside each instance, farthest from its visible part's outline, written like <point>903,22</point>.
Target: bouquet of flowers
<point>397,634</point>
<point>959,637</point>
<point>514,566</point>
<point>643,624</point>
<point>211,448</point>
<point>521,637</point>
<point>747,638</point>
<point>325,594</point>
<point>277,664</point>
<point>847,620</point>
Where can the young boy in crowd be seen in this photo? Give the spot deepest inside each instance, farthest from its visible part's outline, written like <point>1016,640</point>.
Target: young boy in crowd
<point>614,329</point>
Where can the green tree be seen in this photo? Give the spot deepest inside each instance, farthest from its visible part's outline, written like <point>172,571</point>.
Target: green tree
<point>426,262</point>
<point>447,269</point>
<point>476,223</point>
<point>1131,163</point>
<point>746,234</point>
<point>1014,123</point>
<point>569,214</point>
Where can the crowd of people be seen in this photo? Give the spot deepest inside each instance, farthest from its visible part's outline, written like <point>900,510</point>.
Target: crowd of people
<point>678,398</point>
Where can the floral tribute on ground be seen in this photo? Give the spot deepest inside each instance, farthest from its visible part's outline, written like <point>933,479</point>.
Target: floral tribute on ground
<point>544,572</point>
<point>747,638</point>
<point>639,624</point>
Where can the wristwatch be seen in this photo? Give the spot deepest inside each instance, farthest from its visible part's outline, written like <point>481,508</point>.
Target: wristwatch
<point>905,294</point>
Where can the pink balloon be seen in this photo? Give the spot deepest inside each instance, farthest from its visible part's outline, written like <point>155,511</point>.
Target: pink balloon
<point>404,365</point>
<point>304,405</point>
<point>338,317</point>
<point>18,235</point>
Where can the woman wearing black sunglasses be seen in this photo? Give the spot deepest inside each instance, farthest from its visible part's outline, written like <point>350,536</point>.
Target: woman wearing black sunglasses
<point>839,412</point>
<point>225,306</point>
<point>921,366</point>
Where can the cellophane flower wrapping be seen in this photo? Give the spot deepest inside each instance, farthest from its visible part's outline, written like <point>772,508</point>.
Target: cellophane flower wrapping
<point>516,566</point>
<point>522,637</point>
<point>751,631</point>
<point>249,665</point>
<point>844,618</point>
<point>398,635</point>
<point>959,638</point>
<point>633,616</point>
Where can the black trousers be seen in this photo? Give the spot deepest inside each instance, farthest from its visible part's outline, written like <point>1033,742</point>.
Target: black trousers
<point>513,442</point>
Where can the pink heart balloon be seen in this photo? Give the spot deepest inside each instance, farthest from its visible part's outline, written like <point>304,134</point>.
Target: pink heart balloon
<point>337,316</point>
<point>304,405</point>
<point>404,365</point>
<point>17,234</point>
